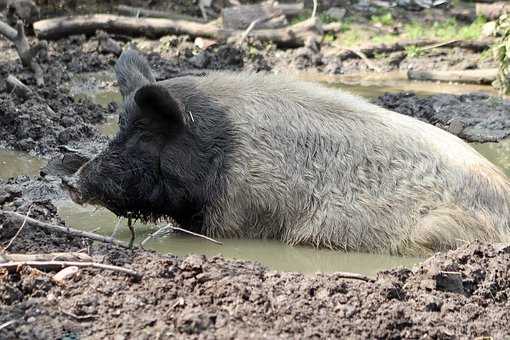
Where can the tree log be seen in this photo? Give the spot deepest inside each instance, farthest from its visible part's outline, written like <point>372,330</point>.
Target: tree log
<point>150,13</point>
<point>494,10</point>
<point>26,53</point>
<point>485,76</point>
<point>267,15</point>
<point>371,49</point>
<point>290,36</point>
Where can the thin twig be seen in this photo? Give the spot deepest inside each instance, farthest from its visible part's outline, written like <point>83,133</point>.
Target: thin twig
<point>314,11</point>
<point>365,59</point>
<point>7,324</point>
<point>19,230</point>
<point>252,25</point>
<point>170,227</point>
<point>63,264</point>
<point>62,229</point>
<point>248,30</point>
<point>116,228</point>
<point>82,318</point>
<point>441,44</point>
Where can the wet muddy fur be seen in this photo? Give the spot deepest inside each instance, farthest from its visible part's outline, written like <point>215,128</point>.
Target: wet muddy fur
<point>259,156</point>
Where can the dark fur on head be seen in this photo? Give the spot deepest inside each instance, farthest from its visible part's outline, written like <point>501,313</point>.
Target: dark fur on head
<point>160,162</point>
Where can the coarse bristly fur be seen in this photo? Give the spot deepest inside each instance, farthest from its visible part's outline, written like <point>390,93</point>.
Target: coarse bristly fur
<point>262,156</point>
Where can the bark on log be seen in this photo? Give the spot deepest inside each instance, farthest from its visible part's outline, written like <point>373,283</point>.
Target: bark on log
<point>150,13</point>
<point>26,53</point>
<point>494,10</point>
<point>485,76</point>
<point>371,49</point>
<point>290,36</point>
<point>268,15</point>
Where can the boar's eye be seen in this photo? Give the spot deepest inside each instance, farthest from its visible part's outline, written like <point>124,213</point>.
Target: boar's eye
<point>155,101</point>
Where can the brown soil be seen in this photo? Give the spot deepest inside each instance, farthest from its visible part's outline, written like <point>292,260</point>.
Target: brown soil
<point>459,294</point>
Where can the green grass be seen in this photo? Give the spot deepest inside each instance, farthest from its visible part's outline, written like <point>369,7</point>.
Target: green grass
<point>446,30</point>
<point>413,51</point>
<point>385,19</point>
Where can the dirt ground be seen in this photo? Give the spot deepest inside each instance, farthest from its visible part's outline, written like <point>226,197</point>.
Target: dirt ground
<point>460,294</point>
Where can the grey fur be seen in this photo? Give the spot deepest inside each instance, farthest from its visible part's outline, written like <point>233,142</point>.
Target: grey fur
<point>309,165</point>
<point>132,72</point>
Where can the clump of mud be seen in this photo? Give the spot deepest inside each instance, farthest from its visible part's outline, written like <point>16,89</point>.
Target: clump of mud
<point>474,117</point>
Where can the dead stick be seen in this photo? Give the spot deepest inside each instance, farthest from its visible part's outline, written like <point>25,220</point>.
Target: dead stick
<point>353,276</point>
<point>441,44</point>
<point>7,324</point>
<point>367,61</point>
<point>70,256</point>
<point>19,230</point>
<point>252,25</point>
<point>63,264</point>
<point>62,229</point>
<point>169,226</point>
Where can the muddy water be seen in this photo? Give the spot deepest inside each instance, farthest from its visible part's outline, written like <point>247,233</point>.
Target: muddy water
<point>271,253</point>
<point>14,163</point>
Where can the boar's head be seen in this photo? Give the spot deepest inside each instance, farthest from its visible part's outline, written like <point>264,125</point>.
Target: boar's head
<point>155,165</point>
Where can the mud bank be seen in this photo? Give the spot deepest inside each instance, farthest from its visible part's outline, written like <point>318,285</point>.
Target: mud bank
<point>472,117</point>
<point>462,293</point>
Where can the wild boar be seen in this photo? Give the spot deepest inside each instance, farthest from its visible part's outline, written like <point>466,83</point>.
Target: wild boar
<point>262,156</point>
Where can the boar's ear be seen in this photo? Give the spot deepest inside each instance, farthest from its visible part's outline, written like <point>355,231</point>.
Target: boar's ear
<point>156,101</point>
<point>132,71</point>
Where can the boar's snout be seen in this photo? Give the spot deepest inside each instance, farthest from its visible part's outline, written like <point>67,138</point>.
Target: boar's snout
<point>70,184</point>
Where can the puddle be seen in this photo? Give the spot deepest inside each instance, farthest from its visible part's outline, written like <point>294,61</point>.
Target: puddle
<point>15,163</point>
<point>272,254</point>
<point>497,153</point>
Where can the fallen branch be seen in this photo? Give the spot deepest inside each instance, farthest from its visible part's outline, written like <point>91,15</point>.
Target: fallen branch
<point>62,229</point>
<point>353,276</point>
<point>48,265</point>
<point>71,256</point>
<point>168,227</point>
<point>370,50</point>
<point>484,76</point>
<point>290,36</point>
<point>19,230</point>
<point>26,53</point>
<point>142,12</point>
<point>15,86</point>
<point>7,324</point>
